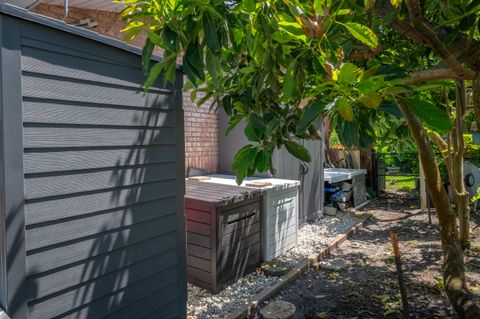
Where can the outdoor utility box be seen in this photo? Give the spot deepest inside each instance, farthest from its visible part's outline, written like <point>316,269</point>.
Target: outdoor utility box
<point>223,233</point>
<point>355,176</point>
<point>279,211</point>
<point>91,177</point>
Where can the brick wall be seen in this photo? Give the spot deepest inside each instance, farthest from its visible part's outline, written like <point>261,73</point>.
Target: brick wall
<point>201,126</point>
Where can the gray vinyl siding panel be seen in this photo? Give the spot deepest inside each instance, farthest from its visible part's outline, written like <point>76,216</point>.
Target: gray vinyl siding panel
<point>98,169</point>
<point>47,186</point>
<point>50,112</point>
<point>57,208</point>
<point>53,161</point>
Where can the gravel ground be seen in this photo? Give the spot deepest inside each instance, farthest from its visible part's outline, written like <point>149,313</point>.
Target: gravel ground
<point>312,237</point>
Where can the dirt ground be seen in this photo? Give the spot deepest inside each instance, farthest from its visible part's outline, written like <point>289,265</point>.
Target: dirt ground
<point>359,280</point>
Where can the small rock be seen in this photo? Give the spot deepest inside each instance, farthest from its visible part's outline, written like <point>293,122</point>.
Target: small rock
<point>334,264</point>
<point>278,310</point>
<point>275,268</point>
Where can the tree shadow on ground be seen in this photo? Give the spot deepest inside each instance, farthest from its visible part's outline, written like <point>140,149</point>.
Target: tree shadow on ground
<point>363,284</point>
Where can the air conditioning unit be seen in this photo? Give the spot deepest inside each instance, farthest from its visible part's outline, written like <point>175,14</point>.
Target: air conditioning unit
<point>21,3</point>
<point>472,177</point>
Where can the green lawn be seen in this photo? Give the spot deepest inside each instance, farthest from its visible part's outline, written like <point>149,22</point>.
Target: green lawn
<point>401,183</point>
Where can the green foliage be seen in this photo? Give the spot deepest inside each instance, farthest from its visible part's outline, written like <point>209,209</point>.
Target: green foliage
<point>476,197</point>
<point>430,114</point>
<point>280,65</point>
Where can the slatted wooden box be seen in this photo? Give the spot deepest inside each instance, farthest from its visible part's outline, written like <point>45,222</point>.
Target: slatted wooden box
<point>279,211</point>
<point>223,233</point>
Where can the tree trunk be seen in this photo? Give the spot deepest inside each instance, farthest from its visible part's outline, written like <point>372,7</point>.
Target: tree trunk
<point>453,263</point>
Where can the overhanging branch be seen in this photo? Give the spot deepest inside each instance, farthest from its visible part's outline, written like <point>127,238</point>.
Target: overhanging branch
<point>416,19</point>
<point>431,75</point>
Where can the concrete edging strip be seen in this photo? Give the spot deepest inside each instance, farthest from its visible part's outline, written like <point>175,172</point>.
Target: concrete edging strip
<point>283,281</point>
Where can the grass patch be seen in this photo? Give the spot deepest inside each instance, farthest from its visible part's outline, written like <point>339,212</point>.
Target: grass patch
<point>400,183</point>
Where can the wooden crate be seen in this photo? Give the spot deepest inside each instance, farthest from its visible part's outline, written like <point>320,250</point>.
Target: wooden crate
<point>279,211</point>
<point>223,233</point>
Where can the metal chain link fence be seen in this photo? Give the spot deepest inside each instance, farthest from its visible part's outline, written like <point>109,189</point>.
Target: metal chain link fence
<point>398,174</point>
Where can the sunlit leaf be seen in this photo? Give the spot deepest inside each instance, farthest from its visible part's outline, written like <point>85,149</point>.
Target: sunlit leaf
<point>347,73</point>
<point>344,108</point>
<point>371,100</point>
<point>362,33</point>
<point>396,3</point>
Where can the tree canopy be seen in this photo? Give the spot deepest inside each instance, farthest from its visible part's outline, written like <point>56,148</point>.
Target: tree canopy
<point>279,65</point>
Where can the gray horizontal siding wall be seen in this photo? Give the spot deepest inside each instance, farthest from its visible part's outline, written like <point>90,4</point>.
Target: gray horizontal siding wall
<point>103,182</point>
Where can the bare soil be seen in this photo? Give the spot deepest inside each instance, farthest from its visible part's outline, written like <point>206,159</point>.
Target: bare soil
<point>359,280</point>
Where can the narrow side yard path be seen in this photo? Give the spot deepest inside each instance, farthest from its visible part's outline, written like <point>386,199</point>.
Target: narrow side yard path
<point>359,279</point>
<point>312,238</point>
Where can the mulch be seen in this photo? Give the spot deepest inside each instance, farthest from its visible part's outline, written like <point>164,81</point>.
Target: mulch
<point>359,279</point>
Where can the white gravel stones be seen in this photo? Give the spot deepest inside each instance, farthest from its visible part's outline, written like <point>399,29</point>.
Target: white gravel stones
<point>315,236</point>
<point>312,237</point>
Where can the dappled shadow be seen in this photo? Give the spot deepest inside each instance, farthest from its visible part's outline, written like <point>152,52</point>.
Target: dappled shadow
<point>133,260</point>
<point>359,280</point>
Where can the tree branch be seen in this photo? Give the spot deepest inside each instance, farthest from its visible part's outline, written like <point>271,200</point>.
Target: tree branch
<point>416,19</point>
<point>430,75</point>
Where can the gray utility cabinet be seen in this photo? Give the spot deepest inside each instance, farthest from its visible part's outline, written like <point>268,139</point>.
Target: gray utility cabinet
<point>223,233</point>
<point>279,211</point>
<point>91,187</point>
<point>310,175</point>
<point>356,177</point>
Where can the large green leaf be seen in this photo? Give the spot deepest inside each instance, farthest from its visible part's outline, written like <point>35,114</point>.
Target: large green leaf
<point>244,162</point>
<point>344,108</point>
<point>147,53</point>
<point>166,66</point>
<point>298,150</point>
<point>371,84</point>
<point>232,123</point>
<point>213,67</point>
<point>311,112</point>
<point>262,160</point>
<point>189,71</point>
<point>391,108</point>
<point>293,29</point>
<point>430,114</point>
<point>170,39</point>
<point>211,35</point>
<point>194,56</point>
<point>371,100</point>
<point>155,38</point>
<point>251,133</point>
<point>362,33</point>
<point>347,74</point>
<point>347,132</point>
<point>289,81</point>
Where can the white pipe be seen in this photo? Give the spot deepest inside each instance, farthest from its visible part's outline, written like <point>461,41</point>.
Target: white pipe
<point>65,9</point>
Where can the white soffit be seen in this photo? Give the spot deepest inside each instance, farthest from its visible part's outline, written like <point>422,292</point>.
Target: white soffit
<point>104,5</point>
